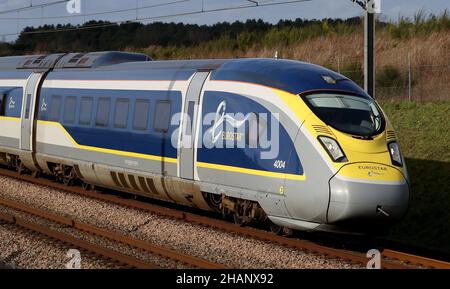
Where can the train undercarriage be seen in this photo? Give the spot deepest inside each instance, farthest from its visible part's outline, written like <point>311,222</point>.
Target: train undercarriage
<point>240,211</point>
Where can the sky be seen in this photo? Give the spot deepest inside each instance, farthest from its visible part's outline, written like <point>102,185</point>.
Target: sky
<point>13,22</point>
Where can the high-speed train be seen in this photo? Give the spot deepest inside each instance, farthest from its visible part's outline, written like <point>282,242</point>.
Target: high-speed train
<point>255,139</point>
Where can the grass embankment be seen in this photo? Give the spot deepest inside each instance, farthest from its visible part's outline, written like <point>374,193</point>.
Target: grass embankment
<point>424,134</point>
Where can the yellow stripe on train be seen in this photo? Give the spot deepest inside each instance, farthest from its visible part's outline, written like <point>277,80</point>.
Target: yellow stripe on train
<point>251,171</point>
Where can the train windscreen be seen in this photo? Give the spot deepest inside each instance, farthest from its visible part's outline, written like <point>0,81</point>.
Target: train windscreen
<point>350,114</point>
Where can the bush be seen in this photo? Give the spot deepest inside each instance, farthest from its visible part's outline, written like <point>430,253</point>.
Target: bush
<point>5,49</point>
<point>421,24</point>
<point>354,71</point>
<point>390,76</point>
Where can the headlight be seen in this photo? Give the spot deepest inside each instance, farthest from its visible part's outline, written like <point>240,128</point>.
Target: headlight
<point>333,149</point>
<point>396,156</point>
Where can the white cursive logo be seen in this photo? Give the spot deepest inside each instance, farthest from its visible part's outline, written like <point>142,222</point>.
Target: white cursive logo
<point>44,105</point>
<point>12,103</point>
<point>221,117</point>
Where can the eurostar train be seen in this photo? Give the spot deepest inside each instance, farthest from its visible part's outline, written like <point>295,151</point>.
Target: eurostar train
<point>282,141</point>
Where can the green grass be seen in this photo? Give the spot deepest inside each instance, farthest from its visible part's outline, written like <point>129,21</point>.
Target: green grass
<point>421,24</point>
<point>423,130</point>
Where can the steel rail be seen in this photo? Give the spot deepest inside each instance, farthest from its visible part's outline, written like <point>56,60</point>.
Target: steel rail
<point>78,243</point>
<point>114,236</point>
<point>413,259</point>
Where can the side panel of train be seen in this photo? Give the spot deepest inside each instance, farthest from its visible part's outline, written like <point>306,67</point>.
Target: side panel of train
<point>10,111</point>
<point>274,169</point>
<point>12,87</point>
<point>121,134</point>
<point>117,134</point>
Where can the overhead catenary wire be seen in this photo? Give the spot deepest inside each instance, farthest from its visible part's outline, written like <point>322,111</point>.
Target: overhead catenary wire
<point>255,2</point>
<point>160,17</point>
<point>362,3</point>
<point>31,6</point>
<point>97,13</point>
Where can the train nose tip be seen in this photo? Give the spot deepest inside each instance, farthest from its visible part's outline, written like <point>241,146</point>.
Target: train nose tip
<point>371,202</point>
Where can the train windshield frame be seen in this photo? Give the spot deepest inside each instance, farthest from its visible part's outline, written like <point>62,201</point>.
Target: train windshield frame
<point>349,113</point>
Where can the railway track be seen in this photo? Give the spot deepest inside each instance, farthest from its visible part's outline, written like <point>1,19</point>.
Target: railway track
<point>130,261</point>
<point>391,259</point>
<point>102,252</point>
<point>413,259</point>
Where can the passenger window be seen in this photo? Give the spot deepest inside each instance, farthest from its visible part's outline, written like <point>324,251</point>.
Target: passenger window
<point>55,107</point>
<point>2,104</point>
<point>103,111</point>
<point>70,109</point>
<point>12,103</point>
<point>27,107</point>
<point>190,120</point>
<point>162,116</point>
<point>121,113</point>
<point>86,110</point>
<point>140,121</point>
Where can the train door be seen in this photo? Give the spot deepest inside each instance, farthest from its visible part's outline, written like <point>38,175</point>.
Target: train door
<point>28,105</point>
<point>189,124</point>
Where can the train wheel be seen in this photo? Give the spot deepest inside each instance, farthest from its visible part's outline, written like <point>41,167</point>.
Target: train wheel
<point>68,176</point>
<point>21,168</point>
<point>280,230</point>
<point>238,219</point>
<point>287,232</point>
<point>66,181</point>
<point>277,230</point>
<point>36,174</point>
<point>86,186</point>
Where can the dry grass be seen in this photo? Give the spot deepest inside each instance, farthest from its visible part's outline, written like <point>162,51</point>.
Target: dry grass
<point>433,49</point>
<point>430,58</point>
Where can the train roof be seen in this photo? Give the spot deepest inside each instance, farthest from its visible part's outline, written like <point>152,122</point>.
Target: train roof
<point>69,60</point>
<point>287,75</point>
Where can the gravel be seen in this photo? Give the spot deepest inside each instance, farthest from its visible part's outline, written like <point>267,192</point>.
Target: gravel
<point>229,249</point>
<point>122,248</point>
<point>26,250</point>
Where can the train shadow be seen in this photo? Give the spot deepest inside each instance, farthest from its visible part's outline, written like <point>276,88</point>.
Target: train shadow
<point>427,222</point>
<point>425,229</point>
